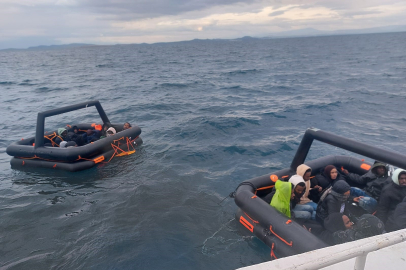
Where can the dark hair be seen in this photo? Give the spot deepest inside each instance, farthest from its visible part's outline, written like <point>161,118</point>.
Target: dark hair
<point>128,124</point>
<point>301,184</point>
<point>402,172</point>
<point>308,170</point>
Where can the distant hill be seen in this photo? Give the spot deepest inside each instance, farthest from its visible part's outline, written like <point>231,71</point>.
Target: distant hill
<point>52,47</point>
<point>305,32</point>
<point>308,32</point>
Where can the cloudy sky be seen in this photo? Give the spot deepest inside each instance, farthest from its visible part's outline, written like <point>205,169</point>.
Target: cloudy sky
<point>25,23</point>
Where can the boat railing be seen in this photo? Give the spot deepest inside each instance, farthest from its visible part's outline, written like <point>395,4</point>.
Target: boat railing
<point>325,257</point>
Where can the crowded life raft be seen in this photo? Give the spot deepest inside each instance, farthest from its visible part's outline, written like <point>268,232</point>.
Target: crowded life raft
<point>43,150</point>
<point>284,236</point>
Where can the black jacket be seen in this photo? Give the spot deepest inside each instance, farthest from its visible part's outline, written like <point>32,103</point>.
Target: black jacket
<point>370,182</point>
<point>330,205</point>
<point>397,221</point>
<point>391,196</point>
<point>324,182</point>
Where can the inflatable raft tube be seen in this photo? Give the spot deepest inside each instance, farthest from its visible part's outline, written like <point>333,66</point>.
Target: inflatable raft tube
<point>33,152</point>
<point>284,236</point>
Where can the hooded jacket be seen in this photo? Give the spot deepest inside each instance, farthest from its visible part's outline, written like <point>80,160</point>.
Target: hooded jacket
<point>296,179</point>
<point>281,199</point>
<point>398,219</point>
<point>301,170</point>
<point>391,196</point>
<point>370,182</point>
<point>335,202</point>
<point>113,130</point>
<point>59,138</point>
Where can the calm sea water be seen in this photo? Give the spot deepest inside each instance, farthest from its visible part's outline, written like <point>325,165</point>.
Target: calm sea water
<point>212,114</point>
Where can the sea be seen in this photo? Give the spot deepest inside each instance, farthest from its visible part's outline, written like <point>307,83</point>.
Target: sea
<point>213,113</point>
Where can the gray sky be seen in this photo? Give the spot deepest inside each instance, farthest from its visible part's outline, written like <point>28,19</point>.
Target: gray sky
<point>25,23</point>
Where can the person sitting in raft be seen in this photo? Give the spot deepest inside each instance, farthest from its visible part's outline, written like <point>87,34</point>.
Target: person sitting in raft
<point>300,211</point>
<point>126,126</point>
<point>397,221</point>
<point>326,180</point>
<point>366,226</point>
<point>372,184</point>
<point>335,222</point>
<point>91,136</point>
<point>111,131</point>
<point>65,144</point>
<point>391,196</point>
<point>62,136</point>
<point>334,202</point>
<point>312,189</point>
<point>281,200</point>
<point>73,135</point>
<point>105,127</point>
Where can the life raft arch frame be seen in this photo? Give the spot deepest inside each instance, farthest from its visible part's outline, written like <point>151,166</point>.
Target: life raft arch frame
<point>40,129</point>
<point>32,152</point>
<point>284,236</point>
<point>370,151</point>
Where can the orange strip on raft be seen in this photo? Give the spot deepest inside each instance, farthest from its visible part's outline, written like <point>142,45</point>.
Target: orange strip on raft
<point>272,253</point>
<point>253,197</point>
<point>99,159</point>
<point>285,176</point>
<point>261,188</point>
<point>280,238</point>
<point>253,220</point>
<point>246,224</point>
<point>365,166</point>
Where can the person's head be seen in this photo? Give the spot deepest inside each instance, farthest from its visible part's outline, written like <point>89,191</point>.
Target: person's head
<point>304,171</point>
<point>307,175</point>
<point>347,222</point>
<point>89,132</point>
<point>63,144</point>
<point>379,168</point>
<point>110,132</point>
<point>342,187</point>
<point>75,129</point>
<point>62,132</point>
<point>126,125</point>
<point>298,185</point>
<point>299,190</point>
<point>402,179</point>
<point>71,144</point>
<point>331,172</point>
<point>370,225</point>
<point>399,177</point>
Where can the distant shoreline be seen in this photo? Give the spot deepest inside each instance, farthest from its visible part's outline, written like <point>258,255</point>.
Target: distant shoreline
<point>302,33</point>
